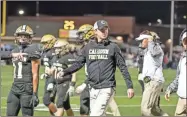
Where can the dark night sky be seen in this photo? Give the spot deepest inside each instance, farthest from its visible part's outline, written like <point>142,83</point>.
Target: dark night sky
<point>143,11</point>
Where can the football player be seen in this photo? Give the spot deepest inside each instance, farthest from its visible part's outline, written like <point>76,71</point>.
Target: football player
<point>85,34</point>
<point>65,87</point>
<point>23,93</point>
<point>48,42</point>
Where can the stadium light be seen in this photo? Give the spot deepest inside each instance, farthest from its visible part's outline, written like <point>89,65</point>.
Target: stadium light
<point>159,21</point>
<point>119,38</point>
<point>21,12</point>
<point>184,17</point>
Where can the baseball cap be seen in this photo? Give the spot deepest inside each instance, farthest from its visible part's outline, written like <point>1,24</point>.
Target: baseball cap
<point>143,36</point>
<point>100,24</point>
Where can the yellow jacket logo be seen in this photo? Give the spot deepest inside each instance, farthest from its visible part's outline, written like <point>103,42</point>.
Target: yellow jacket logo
<point>69,25</point>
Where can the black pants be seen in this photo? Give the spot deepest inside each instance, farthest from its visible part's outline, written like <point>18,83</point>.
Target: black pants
<point>15,102</point>
<point>63,100</point>
<point>49,96</point>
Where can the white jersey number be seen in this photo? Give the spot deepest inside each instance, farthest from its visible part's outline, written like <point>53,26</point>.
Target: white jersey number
<point>19,69</point>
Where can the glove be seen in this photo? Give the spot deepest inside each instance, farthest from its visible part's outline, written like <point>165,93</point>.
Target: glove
<point>80,88</point>
<point>71,91</point>
<point>44,76</point>
<point>50,87</point>
<point>34,100</point>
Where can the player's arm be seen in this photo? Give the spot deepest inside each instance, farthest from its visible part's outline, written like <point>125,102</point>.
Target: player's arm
<point>5,55</point>
<point>51,69</point>
<point>71,89</point>
<point>35,62</point>
<point>35,73</point>
<point>120,61</point>
<point>74,78</point>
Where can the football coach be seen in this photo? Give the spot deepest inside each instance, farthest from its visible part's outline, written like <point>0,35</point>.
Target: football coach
<point>101,56</point>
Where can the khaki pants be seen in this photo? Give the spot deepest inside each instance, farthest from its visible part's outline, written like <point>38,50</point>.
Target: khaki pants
<point>99,99</point>
<point>114,107</point>
<point>149,104</point>
<point>181,109</point>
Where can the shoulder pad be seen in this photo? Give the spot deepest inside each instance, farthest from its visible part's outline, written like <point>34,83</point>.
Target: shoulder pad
<point>34,51</point>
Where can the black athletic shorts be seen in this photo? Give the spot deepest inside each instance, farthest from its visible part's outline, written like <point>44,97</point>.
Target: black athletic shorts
<point>63,100</point>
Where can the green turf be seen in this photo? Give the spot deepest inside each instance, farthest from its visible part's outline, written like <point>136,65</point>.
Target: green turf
<point>128,107</point>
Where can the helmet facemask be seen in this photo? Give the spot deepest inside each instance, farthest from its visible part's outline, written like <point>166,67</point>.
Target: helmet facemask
<point>60,51</point>
<point>23,35</point>
<point>48,44</point>
<point>80,37</point>
<point>85,33</point>
<point>23,39</point>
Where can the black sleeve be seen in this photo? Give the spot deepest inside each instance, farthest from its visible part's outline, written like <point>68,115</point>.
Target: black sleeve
<point>78,64</point>
<point>35,52</point>
<point>120,61</point>
<point>4,55</point>
<point>71,59</point>
<point>34,56</point>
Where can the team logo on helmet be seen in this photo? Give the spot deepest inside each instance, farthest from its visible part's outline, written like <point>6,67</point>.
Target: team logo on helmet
<point>23,35</point>
<point>61,47</point>
<point>85,32</point>
<point>48,41</point>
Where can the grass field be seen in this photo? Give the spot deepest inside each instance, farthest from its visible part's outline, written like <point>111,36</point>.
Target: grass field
<point>128,107</point>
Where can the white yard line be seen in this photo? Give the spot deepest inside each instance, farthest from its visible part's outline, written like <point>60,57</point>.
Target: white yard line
<point>124,106</point>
